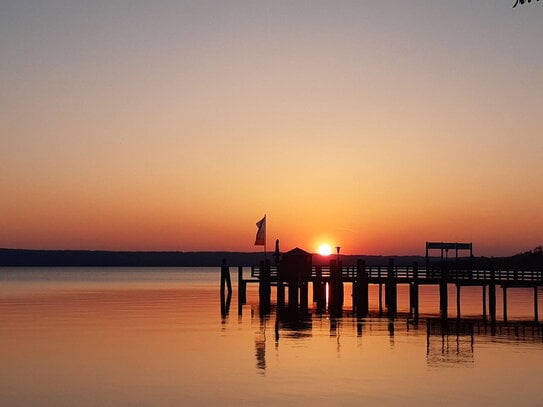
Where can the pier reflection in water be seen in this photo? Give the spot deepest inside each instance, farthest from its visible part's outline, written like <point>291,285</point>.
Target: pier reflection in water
<point>492,361</point>
<point>449,343</point>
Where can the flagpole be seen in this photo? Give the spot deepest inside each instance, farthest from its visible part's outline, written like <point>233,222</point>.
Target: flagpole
<point>265,237</point>
<point>261,235</point>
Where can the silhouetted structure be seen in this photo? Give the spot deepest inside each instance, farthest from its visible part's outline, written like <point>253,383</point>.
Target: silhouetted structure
<point>225,277</point>
<point>444,248</point>
<point>297,272</point>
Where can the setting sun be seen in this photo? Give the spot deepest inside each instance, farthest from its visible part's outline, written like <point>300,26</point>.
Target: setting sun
<point>325,249</point>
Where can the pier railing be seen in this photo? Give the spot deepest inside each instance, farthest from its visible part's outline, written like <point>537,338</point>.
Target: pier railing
<point>428,274</point>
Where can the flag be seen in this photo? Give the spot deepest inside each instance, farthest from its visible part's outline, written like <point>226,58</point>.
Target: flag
<point>261,232</point>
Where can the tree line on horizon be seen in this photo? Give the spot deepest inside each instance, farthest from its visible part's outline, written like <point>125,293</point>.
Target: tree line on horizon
<point>88,258</point>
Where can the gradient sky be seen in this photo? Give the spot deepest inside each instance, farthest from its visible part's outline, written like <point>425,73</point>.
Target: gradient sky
<point>373,125</point>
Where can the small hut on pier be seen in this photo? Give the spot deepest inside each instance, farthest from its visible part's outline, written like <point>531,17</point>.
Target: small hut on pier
<point>295,271</point>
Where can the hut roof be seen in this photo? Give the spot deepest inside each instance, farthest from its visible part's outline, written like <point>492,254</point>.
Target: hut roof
<point>297,252</point>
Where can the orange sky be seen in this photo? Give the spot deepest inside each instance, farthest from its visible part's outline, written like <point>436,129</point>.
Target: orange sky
<point>375,127</point>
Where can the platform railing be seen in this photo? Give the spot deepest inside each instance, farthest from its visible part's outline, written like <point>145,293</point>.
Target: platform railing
<point>423,273</point>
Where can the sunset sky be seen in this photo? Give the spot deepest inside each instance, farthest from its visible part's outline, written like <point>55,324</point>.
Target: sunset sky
<point>176,125</point>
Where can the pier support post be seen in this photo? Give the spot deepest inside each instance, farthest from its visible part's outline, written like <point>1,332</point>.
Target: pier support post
<point>336,288</point>
<point>380,299</point>
<point>265,287</point>
<point>391,290</point>
<point>242,287</point>
<point>361,289</point>
<point>458,301</point>
<point>340,288</point>
<point>316,284</point>
<point>484,302</point>
<point>492,297</point>
<point>504,288</point>
<point>536,306</point>
<point>304,294</point>
<point>280,287</point>
<point>319,294</point>
<point>414,294</point>
<point>444,293</point>
<point>293,284</point>
<point>331,287</point>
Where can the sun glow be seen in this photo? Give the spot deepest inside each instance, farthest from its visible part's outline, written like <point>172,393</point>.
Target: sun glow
<point>325,249</point>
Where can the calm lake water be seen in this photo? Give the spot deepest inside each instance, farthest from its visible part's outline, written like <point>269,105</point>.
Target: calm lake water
<point>156,337</point>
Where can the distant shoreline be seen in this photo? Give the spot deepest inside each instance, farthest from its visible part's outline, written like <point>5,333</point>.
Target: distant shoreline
<point>105,258</point>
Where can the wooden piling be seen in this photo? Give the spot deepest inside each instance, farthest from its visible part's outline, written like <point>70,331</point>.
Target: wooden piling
<point>492,296</point>
<point>242,287</point>
<point>361,289</point>
<point>391,292</point>
<point>414,293</point>
<point>444,293</point>
<point>319,290</point>
<point>536,305</point>
<point>458,301</point>
<point>380,299</point>
<point>340,289</point>
<point>304,294</point>
<point>264,288</point>
<point>484,302</point>
<point>293,291</point>
<point>332,301</point>
<point>336,288</point>
<point>280,288</point>
<point>317,283</point>
<point>504,288</point>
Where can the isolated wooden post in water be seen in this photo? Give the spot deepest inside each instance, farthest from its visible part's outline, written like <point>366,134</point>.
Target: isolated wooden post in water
<point>225,283</point>
<point>225,278</point>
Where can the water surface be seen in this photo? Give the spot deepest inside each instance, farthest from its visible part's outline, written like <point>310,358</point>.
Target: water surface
<point>150,337</point>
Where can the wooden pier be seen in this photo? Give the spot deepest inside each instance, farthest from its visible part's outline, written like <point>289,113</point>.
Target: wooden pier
<point>296,273</point>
